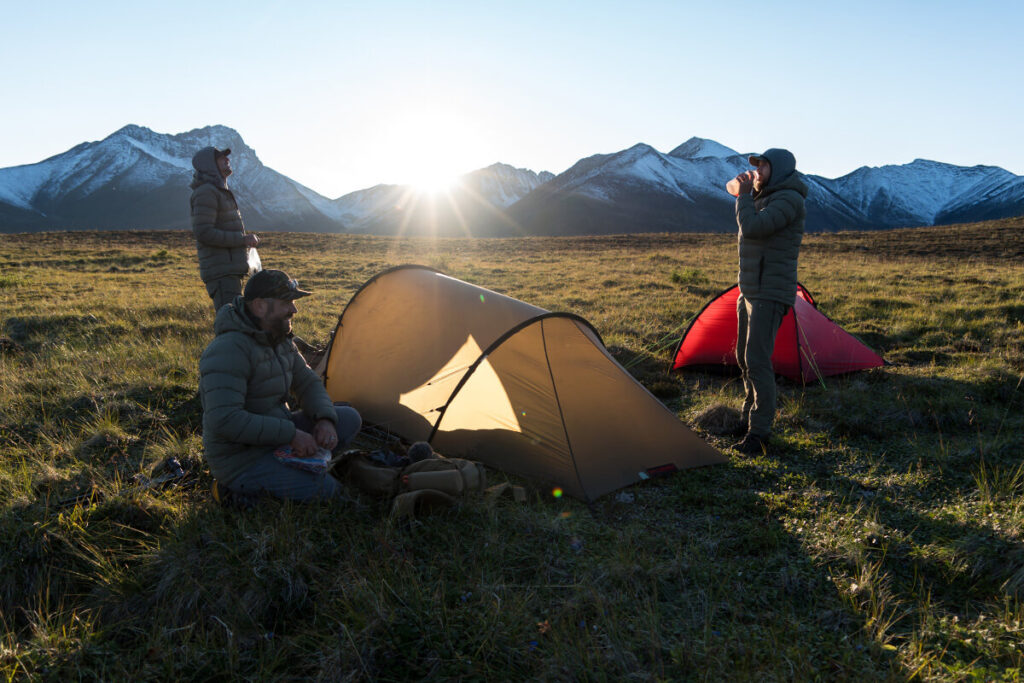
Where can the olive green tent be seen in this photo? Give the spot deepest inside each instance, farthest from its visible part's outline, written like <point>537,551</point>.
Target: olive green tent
<point>483,376</point>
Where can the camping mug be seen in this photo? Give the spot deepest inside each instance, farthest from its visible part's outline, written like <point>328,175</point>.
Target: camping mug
<point>733,186</point>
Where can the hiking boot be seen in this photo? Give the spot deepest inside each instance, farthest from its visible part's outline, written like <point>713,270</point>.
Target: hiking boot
<point>752,444</point>
<point>232,499</point>
<point>219,493</point>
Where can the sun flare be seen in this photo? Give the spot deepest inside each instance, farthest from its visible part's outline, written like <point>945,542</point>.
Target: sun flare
<point>431,146</point>
<point>434,183</point>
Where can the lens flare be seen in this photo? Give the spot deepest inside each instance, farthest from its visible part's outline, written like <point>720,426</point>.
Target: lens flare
<point>557,493</point>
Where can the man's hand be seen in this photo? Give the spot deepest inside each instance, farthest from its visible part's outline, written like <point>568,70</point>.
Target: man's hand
<point>746,182</point>
<point>303,445</point>
<point>251,240</point>
<point>325,434</point>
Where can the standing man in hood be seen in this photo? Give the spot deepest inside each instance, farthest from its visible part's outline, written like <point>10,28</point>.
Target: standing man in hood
<point>249,376</point>
<point>770,214</point>
<point>221,240</point>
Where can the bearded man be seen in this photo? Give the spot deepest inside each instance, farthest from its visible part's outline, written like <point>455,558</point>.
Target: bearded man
<point>249,375</point>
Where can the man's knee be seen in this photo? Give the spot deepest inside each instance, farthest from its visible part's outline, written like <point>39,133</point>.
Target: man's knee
<point>763,326</point>
<point>349,423</point>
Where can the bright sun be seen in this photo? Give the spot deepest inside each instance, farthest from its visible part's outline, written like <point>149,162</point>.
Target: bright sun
<point>431,147</point>
<point>433,182</point>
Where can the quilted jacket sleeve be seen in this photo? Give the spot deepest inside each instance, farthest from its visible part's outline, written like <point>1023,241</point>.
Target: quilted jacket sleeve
<point>205,205</point>
<point>224,372</point>
<point>310,391</point>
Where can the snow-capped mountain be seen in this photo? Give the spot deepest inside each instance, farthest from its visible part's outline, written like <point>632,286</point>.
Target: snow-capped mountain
<point>137,178</point>
<point>503,185</point>
<point>702,148</point>
<point>637,190</point>
<point>474,200</point>
<point>642,190</point>
<point>919,193</point>
<point>359,208</point>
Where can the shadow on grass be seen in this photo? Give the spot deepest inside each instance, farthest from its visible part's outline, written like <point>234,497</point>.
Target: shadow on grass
<point>766,608</point>
<point>689,577</point>
<point>880,473</point>
<point>910,567</point>
<point>680,579</point>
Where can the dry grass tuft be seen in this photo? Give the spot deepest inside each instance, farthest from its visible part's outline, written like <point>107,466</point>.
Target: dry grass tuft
<point>718,419</point>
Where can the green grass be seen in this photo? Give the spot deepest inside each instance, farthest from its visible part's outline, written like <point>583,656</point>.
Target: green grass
<point>690,276</point>
<point>882,539</point>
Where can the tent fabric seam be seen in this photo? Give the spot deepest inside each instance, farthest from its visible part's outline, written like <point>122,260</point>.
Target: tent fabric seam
<point>561,412</point>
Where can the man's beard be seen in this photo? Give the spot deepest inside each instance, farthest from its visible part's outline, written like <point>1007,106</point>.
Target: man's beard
<point>279,329</point>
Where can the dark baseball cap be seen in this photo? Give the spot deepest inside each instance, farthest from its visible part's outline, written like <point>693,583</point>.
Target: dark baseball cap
<point>221,152</point>
<point>273,284</point>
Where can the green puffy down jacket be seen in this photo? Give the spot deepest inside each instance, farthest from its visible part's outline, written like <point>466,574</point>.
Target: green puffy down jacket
<point>216,221</point>
<point>245,384</point>
<point>771,227</point>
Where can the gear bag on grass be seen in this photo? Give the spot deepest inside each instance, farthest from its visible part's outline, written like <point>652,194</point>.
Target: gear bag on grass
<point>435,481</point>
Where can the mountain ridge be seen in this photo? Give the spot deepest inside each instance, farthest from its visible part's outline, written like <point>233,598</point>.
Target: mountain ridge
<point>138,178</point>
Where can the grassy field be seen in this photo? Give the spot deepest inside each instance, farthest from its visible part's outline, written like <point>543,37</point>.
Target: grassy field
<point>882,539</point>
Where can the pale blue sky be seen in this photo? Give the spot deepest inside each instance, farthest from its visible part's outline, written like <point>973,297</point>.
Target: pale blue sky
<point>341,96</point>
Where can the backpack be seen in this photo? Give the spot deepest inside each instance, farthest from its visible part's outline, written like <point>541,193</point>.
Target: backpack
<point>432,483</point>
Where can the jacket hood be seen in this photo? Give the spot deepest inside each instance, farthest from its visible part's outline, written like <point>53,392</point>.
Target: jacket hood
<point>794,181</point>
<point>784,173</point>
<point>783,165</point>
<point>205,164</point>
<point>233,318</point>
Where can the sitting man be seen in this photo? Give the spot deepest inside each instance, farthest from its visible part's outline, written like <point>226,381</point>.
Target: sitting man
<point>246,376</point>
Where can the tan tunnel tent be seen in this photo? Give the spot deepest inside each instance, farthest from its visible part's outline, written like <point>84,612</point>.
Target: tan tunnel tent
<point>483,376</point>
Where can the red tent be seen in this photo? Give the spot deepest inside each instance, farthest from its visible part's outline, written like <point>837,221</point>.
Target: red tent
<point>808,346</point>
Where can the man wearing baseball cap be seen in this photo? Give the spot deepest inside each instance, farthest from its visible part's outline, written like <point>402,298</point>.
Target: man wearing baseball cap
<point>770,214</point>
<point>250,376</point>
<point>221,241</point>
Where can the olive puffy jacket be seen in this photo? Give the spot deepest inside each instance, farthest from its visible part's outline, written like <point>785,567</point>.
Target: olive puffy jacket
<point>771,227</point>
<point>245,383</point>
<point>216,221</point>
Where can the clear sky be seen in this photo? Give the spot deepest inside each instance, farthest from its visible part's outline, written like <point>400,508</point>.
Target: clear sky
<point>343,95</point>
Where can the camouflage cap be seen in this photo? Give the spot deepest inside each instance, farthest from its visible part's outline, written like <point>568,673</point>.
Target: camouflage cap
<point>273,284</point>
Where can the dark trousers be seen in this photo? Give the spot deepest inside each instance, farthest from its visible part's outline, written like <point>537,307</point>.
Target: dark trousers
<point>268,474</point>
<point>223,290</point>
<point>758,322</point>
